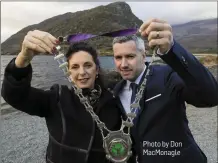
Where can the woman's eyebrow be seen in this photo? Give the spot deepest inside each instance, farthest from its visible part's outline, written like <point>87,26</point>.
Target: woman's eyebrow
<point>88,62</point>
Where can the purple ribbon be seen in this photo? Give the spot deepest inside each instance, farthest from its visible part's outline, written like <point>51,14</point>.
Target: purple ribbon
<point>84,36</point>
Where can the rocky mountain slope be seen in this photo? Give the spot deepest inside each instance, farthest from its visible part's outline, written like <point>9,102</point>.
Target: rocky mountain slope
<point>198,36</point>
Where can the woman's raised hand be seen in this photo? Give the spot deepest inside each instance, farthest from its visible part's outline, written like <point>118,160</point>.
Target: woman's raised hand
<point>34,43</point>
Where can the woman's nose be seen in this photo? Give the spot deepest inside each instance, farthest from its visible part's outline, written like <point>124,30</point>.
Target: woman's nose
<point>82,71</point>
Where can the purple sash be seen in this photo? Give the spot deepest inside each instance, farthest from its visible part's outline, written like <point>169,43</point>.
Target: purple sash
<point>84,36</point>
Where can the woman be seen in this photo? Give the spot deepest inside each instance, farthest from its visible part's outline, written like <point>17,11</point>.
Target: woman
<point>73,134</point>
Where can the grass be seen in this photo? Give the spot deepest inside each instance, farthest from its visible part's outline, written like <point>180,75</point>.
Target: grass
<point>204,54</point>
<point>105,52</point>
<point>209,60</point>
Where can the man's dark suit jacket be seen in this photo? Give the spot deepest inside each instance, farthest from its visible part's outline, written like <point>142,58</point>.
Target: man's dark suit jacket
<point>163,119</point>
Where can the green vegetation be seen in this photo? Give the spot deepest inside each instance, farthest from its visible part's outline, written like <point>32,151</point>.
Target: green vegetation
<point>209,60</point>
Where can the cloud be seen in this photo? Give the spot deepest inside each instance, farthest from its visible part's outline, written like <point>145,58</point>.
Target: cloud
<point>174,12</point>
<point>28,13</point>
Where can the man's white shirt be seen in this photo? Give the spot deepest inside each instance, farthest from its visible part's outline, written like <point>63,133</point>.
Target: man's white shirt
<point>126,93</point>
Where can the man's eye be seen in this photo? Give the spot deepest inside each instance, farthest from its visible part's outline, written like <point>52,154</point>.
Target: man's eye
<point>117,58</point>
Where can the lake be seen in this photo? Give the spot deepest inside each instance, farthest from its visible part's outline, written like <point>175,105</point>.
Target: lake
<point>46,71</point>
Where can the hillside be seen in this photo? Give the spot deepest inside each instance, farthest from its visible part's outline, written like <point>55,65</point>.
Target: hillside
<point>197,36</point>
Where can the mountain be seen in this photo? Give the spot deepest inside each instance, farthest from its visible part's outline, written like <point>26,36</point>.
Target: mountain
<point>114,16</point>
<point>196,36</point>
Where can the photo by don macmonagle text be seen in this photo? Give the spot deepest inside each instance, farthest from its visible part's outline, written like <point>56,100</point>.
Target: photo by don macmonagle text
<point>157,145</point>
<point>163,144</point>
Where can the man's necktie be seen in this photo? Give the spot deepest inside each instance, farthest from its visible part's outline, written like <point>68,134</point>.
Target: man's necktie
<point>134,87</point>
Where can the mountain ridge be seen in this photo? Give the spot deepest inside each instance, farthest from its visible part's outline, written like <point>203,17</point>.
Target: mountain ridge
<point>198,36</point>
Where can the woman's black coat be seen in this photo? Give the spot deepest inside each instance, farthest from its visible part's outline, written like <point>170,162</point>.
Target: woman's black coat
<point>73,135</point>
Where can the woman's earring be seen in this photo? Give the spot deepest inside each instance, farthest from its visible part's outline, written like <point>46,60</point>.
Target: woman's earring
<point>97,76</point>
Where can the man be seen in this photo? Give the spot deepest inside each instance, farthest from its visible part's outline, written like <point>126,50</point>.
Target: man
<point>160,132</point>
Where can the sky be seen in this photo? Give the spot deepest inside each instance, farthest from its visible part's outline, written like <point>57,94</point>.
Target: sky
<point>17,15</point>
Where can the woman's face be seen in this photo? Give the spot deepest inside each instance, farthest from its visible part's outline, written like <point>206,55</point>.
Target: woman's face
<point>83,69</point>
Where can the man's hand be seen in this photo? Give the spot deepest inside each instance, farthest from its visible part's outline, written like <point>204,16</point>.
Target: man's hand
<point>159,33</point>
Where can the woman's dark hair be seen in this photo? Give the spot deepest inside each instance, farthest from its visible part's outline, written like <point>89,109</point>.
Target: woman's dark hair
<point>83,46</point>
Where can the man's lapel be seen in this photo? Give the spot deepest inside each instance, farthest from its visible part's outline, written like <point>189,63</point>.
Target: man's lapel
<point>142,101</point>
<point>148,115</point>
<point>144,114</point>
<point>118,87</point>
<point>116,91</point>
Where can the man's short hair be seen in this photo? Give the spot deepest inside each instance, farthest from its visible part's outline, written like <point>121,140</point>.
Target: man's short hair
<point>140,45</point>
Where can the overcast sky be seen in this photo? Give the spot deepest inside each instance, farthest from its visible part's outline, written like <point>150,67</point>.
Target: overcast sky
<point>17,15</point>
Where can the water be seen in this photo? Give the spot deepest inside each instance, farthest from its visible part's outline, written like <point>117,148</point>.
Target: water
<point>46,71</point>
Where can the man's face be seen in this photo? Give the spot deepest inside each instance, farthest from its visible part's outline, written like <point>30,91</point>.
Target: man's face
<point>128,61</point>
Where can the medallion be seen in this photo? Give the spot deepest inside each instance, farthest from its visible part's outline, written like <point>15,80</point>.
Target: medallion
<point>117,145</point>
